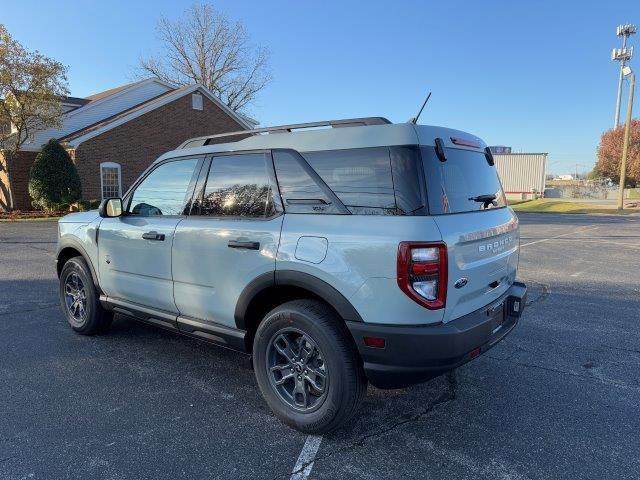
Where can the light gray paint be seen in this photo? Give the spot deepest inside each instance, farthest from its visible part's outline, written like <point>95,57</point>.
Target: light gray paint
<point>208,275</point>
<point>134,269</point>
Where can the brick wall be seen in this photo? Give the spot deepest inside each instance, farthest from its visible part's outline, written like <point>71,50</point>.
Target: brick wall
<point>20,169</point>
<point>137,143</point>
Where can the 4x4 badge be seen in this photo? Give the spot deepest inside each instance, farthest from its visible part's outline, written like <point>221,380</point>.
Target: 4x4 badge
<point>461,282</point>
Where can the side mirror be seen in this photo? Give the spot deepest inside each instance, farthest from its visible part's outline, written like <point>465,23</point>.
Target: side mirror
<point>110,207</point>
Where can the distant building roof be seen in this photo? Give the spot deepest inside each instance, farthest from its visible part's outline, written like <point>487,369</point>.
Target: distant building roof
<point>111,91</point>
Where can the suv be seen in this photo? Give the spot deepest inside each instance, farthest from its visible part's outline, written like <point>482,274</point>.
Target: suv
<point>365,251</point>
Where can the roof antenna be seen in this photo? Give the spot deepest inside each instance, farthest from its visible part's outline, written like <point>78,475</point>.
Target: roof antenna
<point>414,120</point>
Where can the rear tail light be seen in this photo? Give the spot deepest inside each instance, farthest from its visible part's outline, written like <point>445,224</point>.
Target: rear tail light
<point>422,273</point>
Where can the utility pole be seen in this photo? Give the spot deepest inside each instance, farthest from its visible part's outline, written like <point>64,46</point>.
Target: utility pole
<point>623,55</point>
<point>625,144</point>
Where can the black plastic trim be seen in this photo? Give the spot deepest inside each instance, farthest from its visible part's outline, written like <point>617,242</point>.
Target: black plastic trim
<point>254,287</point>
<point>139,312</point>
<point>321,288</point>
<point>68,243</point>
<point>222,335</point>
<point>211,332</point>
<point>414,354</point>
<point>293,278</point>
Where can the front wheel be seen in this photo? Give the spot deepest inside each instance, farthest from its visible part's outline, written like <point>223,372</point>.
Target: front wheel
<point>307,366</point>
<point>79,299</point>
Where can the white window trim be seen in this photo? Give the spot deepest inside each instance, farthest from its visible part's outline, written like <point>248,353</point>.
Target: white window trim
<point>111,165</point>
<point>197,101</point>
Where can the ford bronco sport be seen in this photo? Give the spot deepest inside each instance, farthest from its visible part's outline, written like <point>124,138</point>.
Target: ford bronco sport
<point>365,251</point>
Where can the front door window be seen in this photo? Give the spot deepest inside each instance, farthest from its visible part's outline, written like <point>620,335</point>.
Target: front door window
<point>164,191</point>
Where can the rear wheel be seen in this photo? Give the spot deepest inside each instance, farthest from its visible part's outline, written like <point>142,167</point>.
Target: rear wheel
<point>79,299</point>
<point>307,366</point>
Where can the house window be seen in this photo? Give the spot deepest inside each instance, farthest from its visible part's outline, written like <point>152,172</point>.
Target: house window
<point>196,101</point>
<point>110,180</point>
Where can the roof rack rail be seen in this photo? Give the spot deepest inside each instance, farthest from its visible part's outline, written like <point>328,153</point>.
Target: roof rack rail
<point>349,122</point>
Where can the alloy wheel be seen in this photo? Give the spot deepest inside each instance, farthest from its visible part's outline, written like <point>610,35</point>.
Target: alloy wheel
<point>75,296</point>
<point>296,370</point>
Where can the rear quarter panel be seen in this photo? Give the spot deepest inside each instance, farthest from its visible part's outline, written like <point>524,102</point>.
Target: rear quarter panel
<point>360,260</point>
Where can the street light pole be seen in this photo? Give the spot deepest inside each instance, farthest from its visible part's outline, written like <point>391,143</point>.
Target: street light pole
<point>622,55</point>
<point>623,61</point>
<point>625,144</point>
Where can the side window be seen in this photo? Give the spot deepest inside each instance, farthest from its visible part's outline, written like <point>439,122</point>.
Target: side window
<point>238,186</point>
<point>300,193</point>
<point>110,180</point>
<point>361,178</point>
<point>164,191</point>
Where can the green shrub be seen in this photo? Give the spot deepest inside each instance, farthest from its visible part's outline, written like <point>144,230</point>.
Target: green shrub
<point>85,205</point>
<point>54,181</point>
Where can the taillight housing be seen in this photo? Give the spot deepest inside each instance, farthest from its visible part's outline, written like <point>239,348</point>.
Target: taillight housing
<point>422,273</point>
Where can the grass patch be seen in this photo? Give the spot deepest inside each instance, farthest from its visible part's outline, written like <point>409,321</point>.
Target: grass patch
<point>544,205</point>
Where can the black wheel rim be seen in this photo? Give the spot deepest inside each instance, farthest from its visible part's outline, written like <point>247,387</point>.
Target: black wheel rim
<point>75,298</point>
<point>296,370</point>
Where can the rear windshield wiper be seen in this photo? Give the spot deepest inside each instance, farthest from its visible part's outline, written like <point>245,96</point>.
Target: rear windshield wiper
<point>485,199</point>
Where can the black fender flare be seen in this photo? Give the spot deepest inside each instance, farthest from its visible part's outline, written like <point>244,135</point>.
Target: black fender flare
<point>294,278</point>
<point>74,244</point>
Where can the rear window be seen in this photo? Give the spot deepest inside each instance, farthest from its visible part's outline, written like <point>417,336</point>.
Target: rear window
<point>461,183</point>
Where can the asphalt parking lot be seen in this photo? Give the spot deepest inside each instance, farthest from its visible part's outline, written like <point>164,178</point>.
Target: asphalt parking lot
<point>559,398</point>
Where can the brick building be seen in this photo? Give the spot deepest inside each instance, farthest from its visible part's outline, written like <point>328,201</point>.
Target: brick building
<point>114,135</point>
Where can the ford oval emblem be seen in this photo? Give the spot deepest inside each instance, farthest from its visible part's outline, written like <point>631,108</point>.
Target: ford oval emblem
<point>461,282</point>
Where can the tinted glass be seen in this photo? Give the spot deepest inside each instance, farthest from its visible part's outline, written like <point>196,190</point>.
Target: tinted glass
<point>361,178</point>
<point>164,191</point>
<point>452,185</point>
<point>239,186</point>
<point>300,193</point>
<point>409,190</point>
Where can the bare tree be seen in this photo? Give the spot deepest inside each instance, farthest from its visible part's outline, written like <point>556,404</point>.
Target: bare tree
<point>31,88</point>
<point>205,47</point>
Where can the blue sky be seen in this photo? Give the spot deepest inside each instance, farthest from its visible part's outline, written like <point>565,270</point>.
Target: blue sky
<point>536,76</point>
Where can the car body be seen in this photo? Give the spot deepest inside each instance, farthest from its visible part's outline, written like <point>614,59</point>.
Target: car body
<point>399,232</point>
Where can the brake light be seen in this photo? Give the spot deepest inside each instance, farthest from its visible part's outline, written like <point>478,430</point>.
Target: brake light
<point>422,273</point>
<point>464,142</point>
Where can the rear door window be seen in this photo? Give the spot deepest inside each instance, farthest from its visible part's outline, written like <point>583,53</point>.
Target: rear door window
<point>462,183</point>
<point>238,186</point>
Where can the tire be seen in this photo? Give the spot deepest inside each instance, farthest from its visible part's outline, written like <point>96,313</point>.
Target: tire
<point>80,301</point>
<point>325,363</point>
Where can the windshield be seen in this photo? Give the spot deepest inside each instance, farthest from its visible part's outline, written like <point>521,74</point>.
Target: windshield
<point>465,182</point>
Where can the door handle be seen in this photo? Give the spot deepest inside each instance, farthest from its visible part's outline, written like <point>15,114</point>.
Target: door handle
<point>246,245</point>
<point>153,236</point>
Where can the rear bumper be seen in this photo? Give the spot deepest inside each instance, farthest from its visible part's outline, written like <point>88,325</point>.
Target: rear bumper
<point>414,354</point>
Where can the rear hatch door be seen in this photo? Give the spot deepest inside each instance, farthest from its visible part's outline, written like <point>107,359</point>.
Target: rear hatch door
<point>480,231</point>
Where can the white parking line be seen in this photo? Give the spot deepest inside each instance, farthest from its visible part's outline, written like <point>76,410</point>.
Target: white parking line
<point>307,455</point>
<point>579,230</point>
